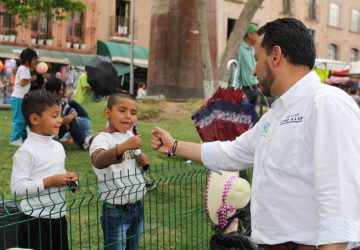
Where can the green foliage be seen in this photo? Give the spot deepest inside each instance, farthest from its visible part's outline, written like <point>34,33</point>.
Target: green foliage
<point>52,9</point>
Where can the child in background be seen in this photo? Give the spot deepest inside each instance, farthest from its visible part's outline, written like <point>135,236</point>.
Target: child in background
<point>116,160</point>
<point>141,92</point>
<point>76,120</point>
<point>28,58</point>
<point>39,173</point>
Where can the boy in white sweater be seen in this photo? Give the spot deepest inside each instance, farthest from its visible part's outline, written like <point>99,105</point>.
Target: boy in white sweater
<point>39,174</point>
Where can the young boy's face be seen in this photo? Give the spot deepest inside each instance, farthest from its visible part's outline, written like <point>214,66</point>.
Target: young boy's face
<point>123,115</point>
<point>48,123</point>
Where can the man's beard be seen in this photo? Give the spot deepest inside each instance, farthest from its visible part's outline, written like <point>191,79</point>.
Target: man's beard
<point>266,83</point>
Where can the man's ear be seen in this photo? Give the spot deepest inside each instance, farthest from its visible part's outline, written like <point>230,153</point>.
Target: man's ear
<point>34,119</point>
<point>276,56</point>
<point>107,112</point>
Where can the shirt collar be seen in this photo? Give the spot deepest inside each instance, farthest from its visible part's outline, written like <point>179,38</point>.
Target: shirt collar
<point>244,43</point>
<point>297,91</point>
<point>40,138</point>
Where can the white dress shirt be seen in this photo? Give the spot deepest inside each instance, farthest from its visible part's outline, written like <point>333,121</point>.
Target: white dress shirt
<point>306,156</point>
<point>39,157</point>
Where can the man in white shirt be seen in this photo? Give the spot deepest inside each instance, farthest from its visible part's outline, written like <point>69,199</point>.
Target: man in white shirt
<point>305,150</point>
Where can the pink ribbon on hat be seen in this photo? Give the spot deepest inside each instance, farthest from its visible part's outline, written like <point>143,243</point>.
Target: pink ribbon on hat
<point>225,208</point>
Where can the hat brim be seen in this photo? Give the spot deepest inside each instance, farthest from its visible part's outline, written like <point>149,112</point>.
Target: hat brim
<point>238,196</point>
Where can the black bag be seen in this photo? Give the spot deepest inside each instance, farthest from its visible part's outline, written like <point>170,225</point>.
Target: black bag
<point>238,240</point>
<point>231,241</point>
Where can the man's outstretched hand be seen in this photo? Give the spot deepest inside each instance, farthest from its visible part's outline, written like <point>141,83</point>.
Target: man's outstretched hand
<point>160,140</point>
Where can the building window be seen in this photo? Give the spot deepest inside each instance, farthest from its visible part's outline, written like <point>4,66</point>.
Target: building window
<point>7,21</point>
<point>40,26</point>
<point>286,6</point>
<point>230,26</point>
<point>75,27</point>
<point>122,17</point>
<point>354,55</point>
<point>355,20</point>
<point>332,51</point>
<point>334,15</point>
<point>312,9</point>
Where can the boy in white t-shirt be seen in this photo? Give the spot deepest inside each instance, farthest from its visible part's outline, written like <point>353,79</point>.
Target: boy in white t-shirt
<point>117,161</point>
<point>28,58</point>
<point>39,174</point>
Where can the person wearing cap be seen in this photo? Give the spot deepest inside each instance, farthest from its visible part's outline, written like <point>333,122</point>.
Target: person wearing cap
<point>246,62</point>
<point>305,150</point>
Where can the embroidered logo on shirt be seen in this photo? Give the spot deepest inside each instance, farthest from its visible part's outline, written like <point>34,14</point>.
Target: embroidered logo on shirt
<point>128,155</point>
<point>265,129</point>
<point>295,118</point>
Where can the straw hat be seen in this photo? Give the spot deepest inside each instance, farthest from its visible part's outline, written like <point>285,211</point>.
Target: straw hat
<point>224,195</point>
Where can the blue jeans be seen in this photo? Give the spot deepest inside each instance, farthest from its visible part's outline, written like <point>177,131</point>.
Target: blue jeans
<point>122,228</point>
<point>85,125</point>
<point>18,128</point>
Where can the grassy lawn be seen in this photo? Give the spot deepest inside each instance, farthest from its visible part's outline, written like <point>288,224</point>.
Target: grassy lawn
<point>79,161</point>
<point>174,211</point>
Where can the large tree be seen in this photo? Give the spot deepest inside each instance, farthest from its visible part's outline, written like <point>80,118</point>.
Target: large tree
<point>236,36</point>
<point>52,9</point>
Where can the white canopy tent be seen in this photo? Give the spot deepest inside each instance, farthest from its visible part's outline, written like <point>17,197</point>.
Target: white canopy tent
<point>355,68</point>
<point>327,64</point>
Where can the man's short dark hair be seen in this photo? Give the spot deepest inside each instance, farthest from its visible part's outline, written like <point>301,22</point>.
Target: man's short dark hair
<point>27,55</point>
<point>123,94</point>
<point>294,39</point>
<point>36,102</point>
<point>54,84</point>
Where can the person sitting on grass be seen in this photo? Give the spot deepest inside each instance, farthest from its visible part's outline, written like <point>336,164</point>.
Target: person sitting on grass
<point>75,118</point>
<point>39,174</point>
<point>117,160</point>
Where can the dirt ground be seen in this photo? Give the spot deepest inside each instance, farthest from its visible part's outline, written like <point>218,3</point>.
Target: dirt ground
<point>175,110</point>
<point>172,110</point>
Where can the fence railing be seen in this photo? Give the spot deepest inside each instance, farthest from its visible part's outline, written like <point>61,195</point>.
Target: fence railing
<point>173,202</point>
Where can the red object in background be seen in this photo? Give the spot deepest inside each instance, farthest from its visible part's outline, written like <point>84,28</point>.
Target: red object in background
<point>340,73</point>
<point>225,116</point>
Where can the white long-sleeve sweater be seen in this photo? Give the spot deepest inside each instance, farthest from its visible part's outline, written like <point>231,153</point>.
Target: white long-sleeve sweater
<point>39,157</point>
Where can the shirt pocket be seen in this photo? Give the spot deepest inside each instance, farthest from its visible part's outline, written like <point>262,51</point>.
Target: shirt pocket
<point>283,149</point>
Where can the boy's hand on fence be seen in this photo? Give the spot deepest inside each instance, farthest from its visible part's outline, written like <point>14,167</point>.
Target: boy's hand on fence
<point>160,139</point>
<point>59,180</point>
<point>73,176</point>
<point>143,160</point>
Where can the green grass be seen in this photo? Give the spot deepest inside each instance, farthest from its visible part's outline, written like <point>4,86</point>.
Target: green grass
<point>174,212</point>
<point>79,161</point>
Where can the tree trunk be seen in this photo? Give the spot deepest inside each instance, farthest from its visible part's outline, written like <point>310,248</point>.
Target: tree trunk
<point>236,37</point>
<point>208,77</point>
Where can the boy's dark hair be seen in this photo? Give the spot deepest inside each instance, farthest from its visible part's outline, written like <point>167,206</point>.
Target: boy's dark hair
<point>294,39</point>
<point>118,95</point>
<point>36,102</point>
<point>27,55</point>
<point>54,84</point>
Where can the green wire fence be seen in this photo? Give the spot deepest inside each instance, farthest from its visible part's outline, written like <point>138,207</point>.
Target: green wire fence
<point>173,201</point>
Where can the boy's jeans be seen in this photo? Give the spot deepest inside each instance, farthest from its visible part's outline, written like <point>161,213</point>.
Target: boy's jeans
<point>122,226</point>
